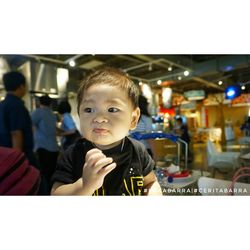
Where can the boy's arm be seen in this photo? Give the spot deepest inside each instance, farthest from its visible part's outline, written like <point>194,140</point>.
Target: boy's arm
<point>151,185</point>
<point>75,188</point>
<point>96,167</point>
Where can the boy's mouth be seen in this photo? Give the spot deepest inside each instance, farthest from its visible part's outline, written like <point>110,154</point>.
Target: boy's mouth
<point>100,131</point>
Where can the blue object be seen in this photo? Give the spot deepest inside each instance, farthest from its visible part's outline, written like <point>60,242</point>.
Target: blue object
<point>232,92</point>
<point>154,135</point>
<point>170,179</point>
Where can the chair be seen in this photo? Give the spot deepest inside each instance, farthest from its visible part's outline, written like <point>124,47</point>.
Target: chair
<point>211,186</point>
<point>244,143</point>
<point>221,160</point>
<point>164,150</point>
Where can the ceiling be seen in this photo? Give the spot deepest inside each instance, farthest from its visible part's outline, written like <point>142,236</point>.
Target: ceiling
<point>205,71</point>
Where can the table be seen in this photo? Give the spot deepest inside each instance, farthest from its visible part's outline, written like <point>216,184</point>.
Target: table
<point>188,187</point>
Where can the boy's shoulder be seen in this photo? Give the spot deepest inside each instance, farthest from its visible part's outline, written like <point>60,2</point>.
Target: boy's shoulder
<point>75,153</point>
<point>136,144</point>
<point>79,144</point>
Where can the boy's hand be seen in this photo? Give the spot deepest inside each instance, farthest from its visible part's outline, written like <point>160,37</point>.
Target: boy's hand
<point>96,167</point>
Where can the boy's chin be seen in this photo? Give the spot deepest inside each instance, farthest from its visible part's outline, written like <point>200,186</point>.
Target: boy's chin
<point>106,144</point>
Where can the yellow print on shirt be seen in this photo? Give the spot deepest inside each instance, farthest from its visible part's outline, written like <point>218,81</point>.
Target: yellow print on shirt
<point>135,185</point>
<point>132,187</point>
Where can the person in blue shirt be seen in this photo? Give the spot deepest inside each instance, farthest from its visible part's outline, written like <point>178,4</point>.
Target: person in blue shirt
<point>45,131</point>
<point>15,121</point>
<point>69,132</point>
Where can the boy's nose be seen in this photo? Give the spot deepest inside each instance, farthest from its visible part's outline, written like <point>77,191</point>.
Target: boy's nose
<point>100,118</point>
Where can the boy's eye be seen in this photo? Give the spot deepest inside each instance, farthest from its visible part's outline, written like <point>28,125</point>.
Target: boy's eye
<point>88,110</point>
<point>113,110</point>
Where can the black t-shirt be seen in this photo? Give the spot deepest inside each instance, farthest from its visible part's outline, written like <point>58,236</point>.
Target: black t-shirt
<point>133,163</point>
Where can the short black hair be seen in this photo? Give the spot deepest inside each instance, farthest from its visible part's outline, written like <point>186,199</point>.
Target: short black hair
<point>45,100</point>
<point>13,80</point>
<point>110,76</point>
<point>64,107</point>
<point>143,105</point>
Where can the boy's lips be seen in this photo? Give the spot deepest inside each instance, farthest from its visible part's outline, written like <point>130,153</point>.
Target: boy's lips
<point>100,130</point>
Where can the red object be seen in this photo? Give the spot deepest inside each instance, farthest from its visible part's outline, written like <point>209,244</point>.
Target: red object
<point>17,177</point>
<point>206,116</point>
<point>184,173</point>
<point>170,111</point>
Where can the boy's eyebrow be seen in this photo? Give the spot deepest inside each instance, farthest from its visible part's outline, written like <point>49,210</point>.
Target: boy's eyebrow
<point>111,101</point>
<point>115,101</point>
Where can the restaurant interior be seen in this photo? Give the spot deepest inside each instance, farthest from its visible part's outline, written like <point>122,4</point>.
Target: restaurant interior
<point>211,93</point>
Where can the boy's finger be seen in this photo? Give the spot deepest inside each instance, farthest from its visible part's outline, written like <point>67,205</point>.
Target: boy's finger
<point>94,158</point>
<point>107,169</point>
<point>91,152</point>
<point>102,163</point>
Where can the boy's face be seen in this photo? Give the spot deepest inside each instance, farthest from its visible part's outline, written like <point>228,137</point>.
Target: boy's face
<point>106,115</point>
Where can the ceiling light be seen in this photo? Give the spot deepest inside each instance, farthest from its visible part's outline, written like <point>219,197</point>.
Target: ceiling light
<point>53,96</point>
<point>167,97</point>
<point>53,90</point>
<point>159,82</point>
<point>243,87</point>
<point>179,78</point>
<point>150,68</point>
<point>72,63</point>
<point>170,68</point>
<point>186,73</point>
<point>220,82</point>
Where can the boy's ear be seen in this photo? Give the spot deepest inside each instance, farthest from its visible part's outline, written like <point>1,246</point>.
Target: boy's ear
<point>135,117</point>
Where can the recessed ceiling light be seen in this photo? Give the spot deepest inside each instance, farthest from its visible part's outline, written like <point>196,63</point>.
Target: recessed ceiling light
<point>186,73</point>
<point>72,63</point>
<point>53,90</point>
<point>159,82</point>
<point>170,68</point>
<point>220,82</point>
<point>243,87</point>
<point>179,78</point>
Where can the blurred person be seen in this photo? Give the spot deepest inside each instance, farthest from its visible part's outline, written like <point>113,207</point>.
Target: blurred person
<point>69,131</point>
<point>245,127</point>
<point>15,121</point>
<point>106,161</point>
<point>181,130</point>
<point>145,122</point>
<point>45,131</point>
